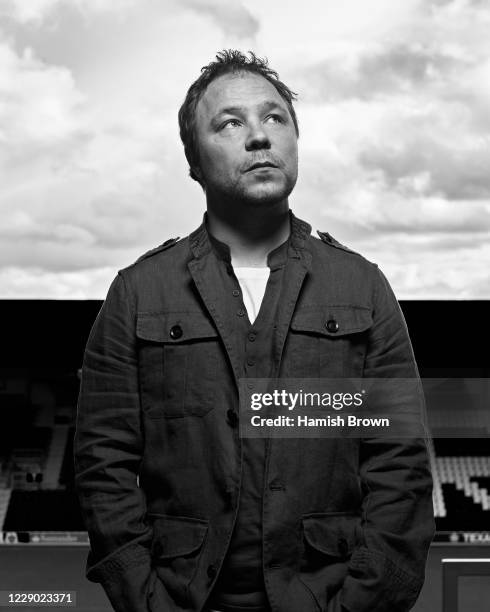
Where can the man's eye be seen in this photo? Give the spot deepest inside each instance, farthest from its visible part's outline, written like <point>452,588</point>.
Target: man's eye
<point>275,118</point>
<point>231,123</point>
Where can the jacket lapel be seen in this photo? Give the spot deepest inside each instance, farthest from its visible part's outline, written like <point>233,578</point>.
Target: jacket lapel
<point>206,275</point>
<point>296,270</point>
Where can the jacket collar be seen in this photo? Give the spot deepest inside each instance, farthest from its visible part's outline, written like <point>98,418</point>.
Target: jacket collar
<point>202,242</point>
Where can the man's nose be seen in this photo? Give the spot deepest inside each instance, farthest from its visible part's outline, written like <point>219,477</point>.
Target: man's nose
<point>257,138</point>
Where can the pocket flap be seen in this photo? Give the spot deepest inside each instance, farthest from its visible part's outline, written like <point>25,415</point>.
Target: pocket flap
<point>174,327</point>
<point>334,321</point>
<point>332,534</point>
<point>177,536</point>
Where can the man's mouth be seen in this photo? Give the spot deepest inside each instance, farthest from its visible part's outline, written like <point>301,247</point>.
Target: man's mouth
<point>265,164</point>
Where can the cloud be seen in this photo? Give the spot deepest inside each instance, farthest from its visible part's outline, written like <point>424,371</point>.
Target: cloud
<point>394,121</point>
<point>21,283</point>
<point>84,179</point>
<point>231,17</point>
<point>417,270</point>
<point>40,103</point>
<point>397,133</point>
<point>424,166</point>
<point>379,71</point>
<point>355,201</point>
<point>36,11</point>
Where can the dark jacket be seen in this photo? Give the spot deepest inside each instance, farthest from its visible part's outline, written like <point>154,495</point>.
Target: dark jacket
<point>157,456</point>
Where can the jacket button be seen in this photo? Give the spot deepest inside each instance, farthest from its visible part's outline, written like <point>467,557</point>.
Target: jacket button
<point>176,332</point>
<point>332,326</point>
<point>343,547</point>
<point>232,417</point>
<point>212,571</point>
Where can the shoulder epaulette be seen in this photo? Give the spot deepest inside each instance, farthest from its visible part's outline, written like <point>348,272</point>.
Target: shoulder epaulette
<point>330,240</point>
<point>165,245</point>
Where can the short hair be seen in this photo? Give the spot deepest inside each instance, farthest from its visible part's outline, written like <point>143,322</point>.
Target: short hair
<point>227,61</point>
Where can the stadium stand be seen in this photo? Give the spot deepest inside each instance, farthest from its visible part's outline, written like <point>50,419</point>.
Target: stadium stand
<point>39,388</point>
<point>37,412</point>
<point>461,470</point>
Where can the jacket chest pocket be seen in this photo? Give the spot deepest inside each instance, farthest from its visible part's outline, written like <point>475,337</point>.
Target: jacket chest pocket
<point>178,354</point>
<point>328,341</point>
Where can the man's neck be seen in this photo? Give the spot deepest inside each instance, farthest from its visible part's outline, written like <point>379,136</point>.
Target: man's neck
<point>251,234</point>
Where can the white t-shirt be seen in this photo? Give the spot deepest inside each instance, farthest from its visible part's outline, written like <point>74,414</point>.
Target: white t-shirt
<point>253,282</point>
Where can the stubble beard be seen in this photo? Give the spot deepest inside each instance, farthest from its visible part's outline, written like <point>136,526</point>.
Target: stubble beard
<point>263,194</point>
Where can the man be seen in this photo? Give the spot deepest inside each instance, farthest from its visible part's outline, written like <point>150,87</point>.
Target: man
<point>182,513</point>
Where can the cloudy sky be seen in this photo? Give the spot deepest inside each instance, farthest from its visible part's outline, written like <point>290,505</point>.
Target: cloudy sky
<point>394,112</point>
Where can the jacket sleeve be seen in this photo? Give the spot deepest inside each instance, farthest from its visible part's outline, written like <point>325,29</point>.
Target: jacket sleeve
<point>387,571</point>
<point>107,453</point>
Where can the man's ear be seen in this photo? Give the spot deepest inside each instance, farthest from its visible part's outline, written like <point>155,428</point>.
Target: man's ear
<point>196,174</point>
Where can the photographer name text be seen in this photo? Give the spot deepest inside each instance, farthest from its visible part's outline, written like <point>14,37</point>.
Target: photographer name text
<point>327,421</point>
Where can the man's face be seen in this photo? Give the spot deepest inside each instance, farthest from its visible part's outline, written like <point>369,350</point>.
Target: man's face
<point>246,140</point>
